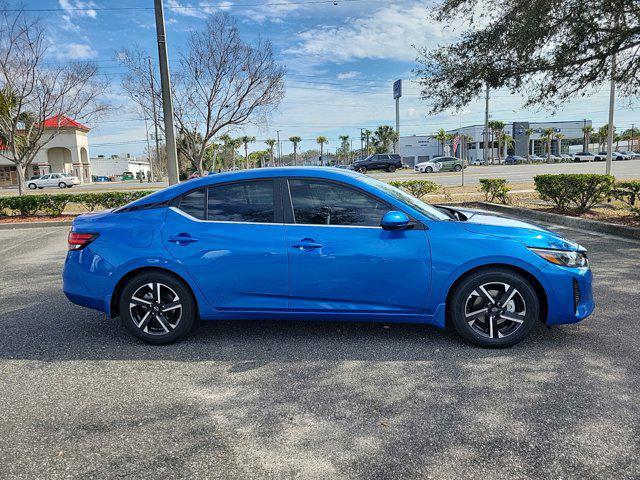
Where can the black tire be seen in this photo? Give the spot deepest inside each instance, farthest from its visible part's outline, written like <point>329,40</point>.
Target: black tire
<point>32,186</point>
<point>457,168</point>
<point>428,169</point>
<point>162,327</point>
<point>62,185</point>
<point>391,168</point>
<point>485,329</point>
<point>40,188</point>
<point>362,169</point>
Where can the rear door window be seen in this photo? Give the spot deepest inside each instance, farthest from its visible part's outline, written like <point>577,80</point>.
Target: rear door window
<point>242,202</point>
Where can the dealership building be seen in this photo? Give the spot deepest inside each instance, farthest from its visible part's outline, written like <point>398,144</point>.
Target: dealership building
<point>420,148</point>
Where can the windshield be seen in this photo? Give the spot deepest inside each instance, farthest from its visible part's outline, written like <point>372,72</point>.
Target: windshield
<point>413,202</point>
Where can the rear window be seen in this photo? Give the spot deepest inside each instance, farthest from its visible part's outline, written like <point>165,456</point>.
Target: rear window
<point>242,202</point>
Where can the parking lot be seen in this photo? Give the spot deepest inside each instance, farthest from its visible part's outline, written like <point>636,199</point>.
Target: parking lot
<point>81,398</point>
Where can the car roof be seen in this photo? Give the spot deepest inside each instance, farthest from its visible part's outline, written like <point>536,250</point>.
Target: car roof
<point>327,173</point>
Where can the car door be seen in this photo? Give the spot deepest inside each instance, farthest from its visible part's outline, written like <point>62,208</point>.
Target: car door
<point>53,180</point>
<point>341,260</point>
<point>230,239</point>
<point>43,181</point>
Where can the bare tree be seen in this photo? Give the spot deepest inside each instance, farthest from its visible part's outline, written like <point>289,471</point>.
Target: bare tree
<point>32,91</point>
<point>222,82</point>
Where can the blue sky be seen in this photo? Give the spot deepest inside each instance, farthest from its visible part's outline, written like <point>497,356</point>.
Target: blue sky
<point>341,61</point>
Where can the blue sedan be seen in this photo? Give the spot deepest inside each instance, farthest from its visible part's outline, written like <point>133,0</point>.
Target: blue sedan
<point>320,244</point>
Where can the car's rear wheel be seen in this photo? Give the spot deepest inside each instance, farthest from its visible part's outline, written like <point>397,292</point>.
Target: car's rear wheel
<point>457,168</point>
<point>494,308</point>
<point>362,169</point>
<point>391,168</point>
<point>62,185</point>
<point>157,308</point>
<point>32,186</point>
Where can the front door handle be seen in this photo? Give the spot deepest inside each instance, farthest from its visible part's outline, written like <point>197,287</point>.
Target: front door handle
<point>307,244</point>
<point>182,239</point>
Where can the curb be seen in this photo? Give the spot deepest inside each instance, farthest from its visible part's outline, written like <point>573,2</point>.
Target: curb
<point>573,222</point>
<point>17,225</point>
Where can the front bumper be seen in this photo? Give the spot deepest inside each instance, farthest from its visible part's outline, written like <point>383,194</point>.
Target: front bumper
<point>570,295</point>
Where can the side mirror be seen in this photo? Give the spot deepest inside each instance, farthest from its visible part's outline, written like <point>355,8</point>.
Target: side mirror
<point>394,220</point>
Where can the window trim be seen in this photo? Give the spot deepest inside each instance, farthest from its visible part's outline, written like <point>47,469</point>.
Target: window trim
<point>289,216</point>
<point>277,203</point>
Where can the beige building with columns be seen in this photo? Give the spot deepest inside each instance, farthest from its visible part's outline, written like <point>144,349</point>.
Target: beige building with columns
<point>67,152</point>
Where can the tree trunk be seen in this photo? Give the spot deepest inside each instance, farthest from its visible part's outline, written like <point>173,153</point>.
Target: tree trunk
<point>321,155</point>
<point>22,174</point>
<point>246,158</point>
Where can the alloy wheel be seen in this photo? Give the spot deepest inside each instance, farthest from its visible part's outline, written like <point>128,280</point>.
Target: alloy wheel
<point>495,310</point>
<point>155,308</point>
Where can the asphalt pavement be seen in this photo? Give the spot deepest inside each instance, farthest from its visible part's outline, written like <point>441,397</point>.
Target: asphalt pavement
<point>81,398</point>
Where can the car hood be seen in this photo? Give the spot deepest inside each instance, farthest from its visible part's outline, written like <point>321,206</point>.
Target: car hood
<point>530,234</point>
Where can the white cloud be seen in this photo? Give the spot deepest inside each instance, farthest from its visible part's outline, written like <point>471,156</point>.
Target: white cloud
<point>348,75</point>
<point>76,9</point>
<point>257,13</point>
<point>75,51</point>
<point>388,33</point>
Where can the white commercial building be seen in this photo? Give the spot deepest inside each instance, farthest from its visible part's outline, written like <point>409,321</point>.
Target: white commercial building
<point>66,152</point>
<point>115,166</point>
<point>527,138</point>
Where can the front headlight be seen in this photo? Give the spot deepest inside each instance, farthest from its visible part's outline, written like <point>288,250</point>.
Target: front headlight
<point>566,258</point>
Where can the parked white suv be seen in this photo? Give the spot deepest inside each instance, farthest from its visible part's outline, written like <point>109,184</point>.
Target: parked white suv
<point>60,180</point>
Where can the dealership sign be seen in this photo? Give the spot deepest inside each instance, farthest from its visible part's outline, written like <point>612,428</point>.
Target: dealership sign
<point>397,89</point>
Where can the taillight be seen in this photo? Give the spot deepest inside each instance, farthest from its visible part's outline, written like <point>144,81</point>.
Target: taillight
<point>79,240</point>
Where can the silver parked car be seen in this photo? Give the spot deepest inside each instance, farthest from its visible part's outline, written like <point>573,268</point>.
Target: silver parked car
<point>51,180</point>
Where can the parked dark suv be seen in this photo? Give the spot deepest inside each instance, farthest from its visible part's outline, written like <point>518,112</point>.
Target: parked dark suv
<point>378,161</point>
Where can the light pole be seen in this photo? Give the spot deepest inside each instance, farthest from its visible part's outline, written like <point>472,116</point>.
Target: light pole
<point>167,104</point>
<point>278,149</point>
<point>155,115</point>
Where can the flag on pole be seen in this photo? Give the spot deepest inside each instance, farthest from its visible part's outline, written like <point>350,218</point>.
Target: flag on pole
<point>456,142</point>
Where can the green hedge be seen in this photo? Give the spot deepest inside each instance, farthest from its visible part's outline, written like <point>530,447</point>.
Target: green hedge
<point>29,205</point>
<point>495,189</point>
<point>417,188</point>
<point>629,194</point>
<point>578,192</point>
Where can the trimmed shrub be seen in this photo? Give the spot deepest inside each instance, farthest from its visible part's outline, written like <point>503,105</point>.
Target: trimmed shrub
<point>29,205</point>
<point>417,188</point>
<point>495,189</point>
<point>578,192</point>
<point>627,192</point>
<point>55,204</point>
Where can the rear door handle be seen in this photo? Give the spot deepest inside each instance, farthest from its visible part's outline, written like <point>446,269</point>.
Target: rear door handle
<point>182,239</point>
<point>307,244</point>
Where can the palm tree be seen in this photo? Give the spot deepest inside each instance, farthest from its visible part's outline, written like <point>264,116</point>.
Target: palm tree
<point>548,134</point>
<point>246,140</point>
<point>603,134</point>
<point>366,135</point>
<point>507,140</point>
<point>321,140</point>
<point>616,139</point>
<point>295,140</point>
<point>442,137</point>
<point>559,137</point>
<point>271,143</point>
<point>529,132</point>
<point>497,128</point>
<point>383,138</point>
<point>586,132</point>
<point>344,147</point>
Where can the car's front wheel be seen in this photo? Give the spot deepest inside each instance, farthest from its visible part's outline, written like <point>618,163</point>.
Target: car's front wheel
<point>494,308</point>
<point>429,169</point>
<point>32,186</point>
<point>362,169</point>
<point>157,308</point>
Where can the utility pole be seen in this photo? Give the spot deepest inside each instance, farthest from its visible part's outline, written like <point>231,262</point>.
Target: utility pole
<point>612,95</point>
<point>361,143</point>
<point>278,149</point>
<point>397,93</point>
<point>633,140</point>
<point>167,104</point>
<point>155,114</point>
<point>585,147</point>
<point>486,127</point>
